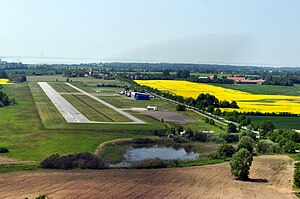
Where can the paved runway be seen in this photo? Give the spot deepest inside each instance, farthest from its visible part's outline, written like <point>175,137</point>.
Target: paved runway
<point>68,111</point>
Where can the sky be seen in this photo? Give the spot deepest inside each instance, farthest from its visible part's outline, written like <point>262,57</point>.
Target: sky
<point>256,32</point>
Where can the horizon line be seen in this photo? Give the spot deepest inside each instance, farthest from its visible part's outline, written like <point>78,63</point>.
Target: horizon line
<point>110,60</point>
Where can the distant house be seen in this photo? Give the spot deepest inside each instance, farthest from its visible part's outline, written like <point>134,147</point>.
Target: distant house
<point>243,80</point>
<point>140,96</point>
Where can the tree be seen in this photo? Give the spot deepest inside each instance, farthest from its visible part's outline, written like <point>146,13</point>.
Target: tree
<point>247,143</point>
<point>189,133</point>
<point>232,128</point>
<point>290,146</point>
<point>166,72</point>
<point>226,150</point>
<point>3,74</point>
<point>265,127</point>
<point>180,107</point>
<point>212,122</point>
<point>218,112</point>
<point>240,164</point>
<point>297,175</point>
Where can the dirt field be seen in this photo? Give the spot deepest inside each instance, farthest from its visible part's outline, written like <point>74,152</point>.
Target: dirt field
<point>169,116</point>
<point>272,179</point>
<point>7,161</point>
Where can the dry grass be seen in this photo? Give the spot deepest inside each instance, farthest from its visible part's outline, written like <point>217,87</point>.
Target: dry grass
<point>212,181</point>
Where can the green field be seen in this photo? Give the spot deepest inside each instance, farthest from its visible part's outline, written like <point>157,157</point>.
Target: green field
<point>34,129</point>
<point>60,78</point>
<point>279,122</point>
<point>264,89</point>
<point>23,133</point>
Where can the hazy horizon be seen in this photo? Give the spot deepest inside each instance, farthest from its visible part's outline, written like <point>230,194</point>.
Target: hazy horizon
<point>262,33</point>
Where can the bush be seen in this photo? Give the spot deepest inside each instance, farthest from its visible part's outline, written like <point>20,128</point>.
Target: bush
<point>290,146</point>
<point>179,139</point>
<point>3,150</point>
<point>226,150</point>
<point>297,175</point>
<point>142,141</point>
<point>200,137</point>
<point>229,138</point>
<point>267,146</point>
<point>247,143</point>
<point>232,128</point>
<point>180,107</point>
<point>80,160</point>
<point>216,139</point>
<point>151,163</point>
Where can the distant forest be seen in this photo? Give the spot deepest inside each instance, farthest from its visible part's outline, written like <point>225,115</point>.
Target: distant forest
<point>286,76</point>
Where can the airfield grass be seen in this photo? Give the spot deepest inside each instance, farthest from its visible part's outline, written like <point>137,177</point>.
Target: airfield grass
<point>279,122</point>
<point>200,124</point>
<point>29,138</point>
<point>92,109</point>
<point>62,79</point>
<point>52,119</point>
<point>264,89</point>
<point>63,88</point>
<point>122,101</point>
<point>86,109</point>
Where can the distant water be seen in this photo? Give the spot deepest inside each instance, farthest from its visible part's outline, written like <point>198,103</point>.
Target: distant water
<point>50,60</point>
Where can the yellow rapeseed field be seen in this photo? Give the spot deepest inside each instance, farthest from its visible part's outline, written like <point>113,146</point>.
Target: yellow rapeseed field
<point>4,81</point>
<point>246,101</point>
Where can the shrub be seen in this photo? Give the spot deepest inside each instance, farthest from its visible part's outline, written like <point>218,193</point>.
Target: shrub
<point>267,146</point>
<point>3,150</point>
<point>232,128</point>
<point>151,163</point>
<point>180,107</point>
<point>179,139</point>
<point>247,143</point>
<point>216,139</point>
<point>290,146</point>
<point>200,137</point>
<point>297,175</point>
<point>80,160</point>
<point>226,150</point>
<point>142,141</point>
<point>229,138</point>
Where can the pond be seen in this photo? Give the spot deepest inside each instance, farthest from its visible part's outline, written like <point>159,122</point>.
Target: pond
<point>163,152</point>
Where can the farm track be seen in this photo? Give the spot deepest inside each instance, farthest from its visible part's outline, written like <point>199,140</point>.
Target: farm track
<point>211,181</point>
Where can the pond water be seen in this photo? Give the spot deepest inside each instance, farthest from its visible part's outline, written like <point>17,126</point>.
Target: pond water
<point>156,151</point>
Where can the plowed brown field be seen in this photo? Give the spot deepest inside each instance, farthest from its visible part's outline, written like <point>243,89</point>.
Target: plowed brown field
<point>272,179</point>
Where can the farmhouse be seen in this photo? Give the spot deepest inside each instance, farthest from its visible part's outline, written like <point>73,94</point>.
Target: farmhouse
<point>140,96</point>
<point>243,80</point>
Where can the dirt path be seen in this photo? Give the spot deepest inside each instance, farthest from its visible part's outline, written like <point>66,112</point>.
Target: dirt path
<point>272,180</point>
